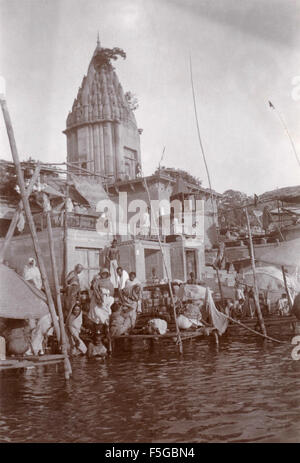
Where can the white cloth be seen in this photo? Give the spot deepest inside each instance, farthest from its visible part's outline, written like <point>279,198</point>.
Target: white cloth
<point>43,328</point>
<point>101,314</point>
<point>122,279</point>
<point>184,323</point>
<point>113,273</point>
<point>69,205</point>
<point>130,283</point>
<point>76,338</point>
<point>216,318</point>
<point>31,272</point>
<point>240,294</point>
<point>157,325</point>
<point>21,222</point>
<point>283,306</point>
<point>74,327</point>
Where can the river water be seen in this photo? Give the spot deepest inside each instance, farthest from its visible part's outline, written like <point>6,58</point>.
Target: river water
<point>243,391</point>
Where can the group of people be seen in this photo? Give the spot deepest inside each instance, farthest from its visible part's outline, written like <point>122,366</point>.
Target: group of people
<point>110,310</point>
<point>114,299</point>
<point>112,302</point>
<point>243,304</point>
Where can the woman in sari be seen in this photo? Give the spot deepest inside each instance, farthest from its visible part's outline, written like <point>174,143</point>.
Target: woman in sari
<point>122,319</point>
<point>72,289</point>
<point>39,335</point>
<point>133,292</point>
<point>74,323</point>
<point>100,305</point>
<point>32,274</point>
<point>100,312</point>
<point>102,280</point>
<point>124,313</point>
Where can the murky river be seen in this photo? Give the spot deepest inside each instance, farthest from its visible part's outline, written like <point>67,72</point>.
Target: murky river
<point>245,391</point>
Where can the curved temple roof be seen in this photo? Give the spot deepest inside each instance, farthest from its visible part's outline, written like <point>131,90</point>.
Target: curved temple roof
<point>100,96</point>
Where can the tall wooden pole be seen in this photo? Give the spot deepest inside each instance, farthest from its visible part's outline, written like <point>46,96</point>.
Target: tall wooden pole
<point>281,118</point>
<point>286,288</point>
<point>16,216</point>
<point>67,365</point>
<point>255,288</point>
<point>220,286</point>
<point>65,272</point>
<point>28,214</point>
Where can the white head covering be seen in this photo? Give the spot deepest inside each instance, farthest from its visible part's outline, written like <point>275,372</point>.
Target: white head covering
<point>31,272</point>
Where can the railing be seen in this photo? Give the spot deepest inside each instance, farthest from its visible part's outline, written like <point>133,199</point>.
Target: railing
<point>74,220</point>
<point>89,222</point>
<point>83,221</point>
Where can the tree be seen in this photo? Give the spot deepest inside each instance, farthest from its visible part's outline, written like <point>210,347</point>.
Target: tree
<point>103,56</point>
<point>8,181</point>
<point>132,100</point>
<point>175,172</point>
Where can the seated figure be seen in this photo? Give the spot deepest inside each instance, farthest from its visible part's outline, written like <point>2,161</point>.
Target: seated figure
<point>73,325</point>
<point>283,305</point>
<point>96,348</point>
<point>122,319</point>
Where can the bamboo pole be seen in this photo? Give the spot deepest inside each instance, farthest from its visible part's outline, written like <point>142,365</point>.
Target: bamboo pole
<point>253,331</point>
<point>286,288</point>
<point>220,286</point>
<point>167,273</point>
<point>281,118</point>
<point>67,365</point>
<point>256,298</point>
<point>65,272</point>
<point>16,216</point>
<point>28,214</point>
<point>200,142</point>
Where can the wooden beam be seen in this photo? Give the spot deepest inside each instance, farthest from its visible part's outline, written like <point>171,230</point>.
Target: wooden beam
<point>16,216</point>
<point>220,287</point>
<point>255,288</point>
<point>286,288</point>
<point>67,365</point>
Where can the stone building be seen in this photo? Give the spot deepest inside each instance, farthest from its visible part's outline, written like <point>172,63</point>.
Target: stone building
<point>102,133</point>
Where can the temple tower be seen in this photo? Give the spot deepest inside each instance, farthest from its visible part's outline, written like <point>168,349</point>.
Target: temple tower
<point>102,134</point>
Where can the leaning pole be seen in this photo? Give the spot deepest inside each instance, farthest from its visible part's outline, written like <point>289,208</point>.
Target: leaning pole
<point>28,214</point>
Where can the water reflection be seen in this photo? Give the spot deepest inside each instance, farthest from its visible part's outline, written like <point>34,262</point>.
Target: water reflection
<point>247,391</point>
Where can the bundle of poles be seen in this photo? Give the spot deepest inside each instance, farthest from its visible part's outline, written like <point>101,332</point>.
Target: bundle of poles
<point>179,340</point>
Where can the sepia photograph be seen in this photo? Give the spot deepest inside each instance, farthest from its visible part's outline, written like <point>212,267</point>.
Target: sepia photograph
<point>150,224</point>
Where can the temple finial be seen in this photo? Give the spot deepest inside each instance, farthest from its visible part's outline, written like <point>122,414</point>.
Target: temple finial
<point>98,41</point>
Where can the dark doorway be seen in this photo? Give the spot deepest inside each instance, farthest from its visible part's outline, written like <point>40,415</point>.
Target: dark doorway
<point>153,260</point>
<point>191,264</point>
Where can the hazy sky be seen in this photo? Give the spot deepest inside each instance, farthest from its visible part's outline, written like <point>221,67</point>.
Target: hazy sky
<point>244,52</point>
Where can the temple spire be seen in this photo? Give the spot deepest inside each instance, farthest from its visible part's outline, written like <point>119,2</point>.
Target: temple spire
<point>98,41</point>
